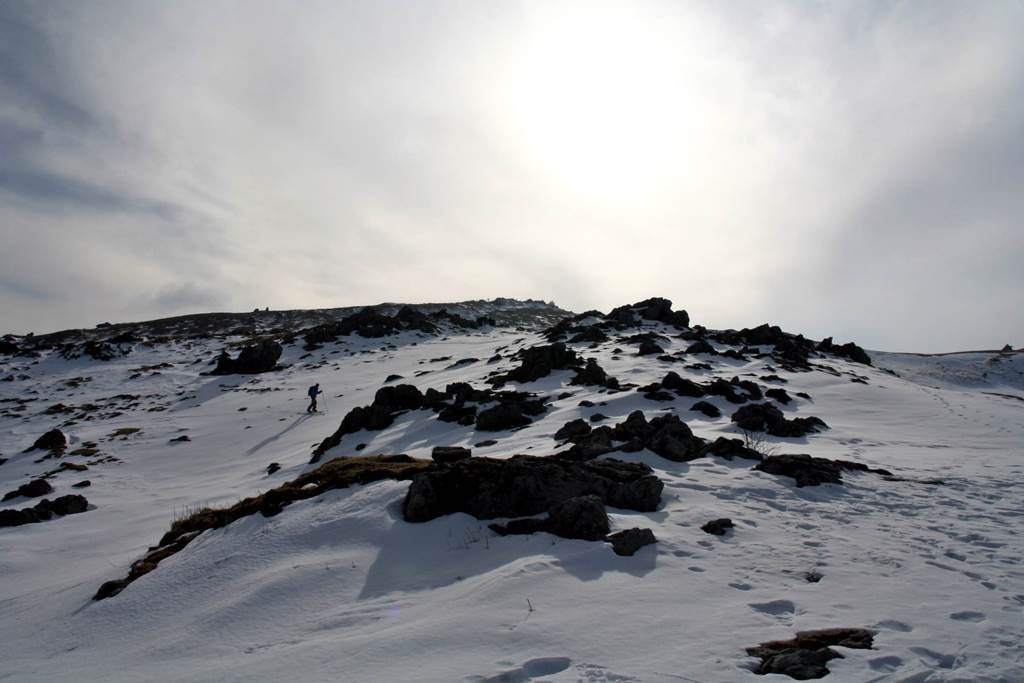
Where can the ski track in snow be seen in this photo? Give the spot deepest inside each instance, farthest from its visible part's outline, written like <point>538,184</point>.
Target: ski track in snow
<point>340,588</point>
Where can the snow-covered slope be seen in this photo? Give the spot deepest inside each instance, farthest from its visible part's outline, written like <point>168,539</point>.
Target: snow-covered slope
<point>339,587</point>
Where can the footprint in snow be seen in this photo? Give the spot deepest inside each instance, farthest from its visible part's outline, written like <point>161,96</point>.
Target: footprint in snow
<point>968,616</point>
<point>527,671</point>
<point>776,608</point>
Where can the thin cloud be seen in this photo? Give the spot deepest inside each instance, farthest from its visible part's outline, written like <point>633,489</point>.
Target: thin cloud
<point>820,166</point>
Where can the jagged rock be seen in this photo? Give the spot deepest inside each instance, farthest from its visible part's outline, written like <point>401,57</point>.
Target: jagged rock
<point>779,395</point>
<point>717,527</point>
<point>701,346</point>
<point>655,308</point>
<point>85,483</point>
<point>8,347</point>
<point>805,656</point>
<point>673,440</point>
<point>628,541</point>
<point>184,438</point>
<point>44,510</point>
<point>572,430</point>
<point>253,359</point>
<point>766,417</point>
<point>665,435</point>
<point>683,387</point>
<point>726,390</point>
<point>33,489</point>
<point>709,409</point>
<point>449,454</point>
<point>501,417</point>
<point>53,441</point>
<point>65,505</point>
<point>597,442</point>
<point>524,485</point>
<point>463,415</point>
<point>848,350</point>
<point>273,467</point>
<point>582,517</point>
<point>728,449</point>
<point>810,471</point>
<point>399,397</point>
<point>593,374</point>
<point>649,348</point>
<point>539,361</point>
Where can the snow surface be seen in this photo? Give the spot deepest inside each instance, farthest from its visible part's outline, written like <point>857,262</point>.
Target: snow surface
<point>340,588</point>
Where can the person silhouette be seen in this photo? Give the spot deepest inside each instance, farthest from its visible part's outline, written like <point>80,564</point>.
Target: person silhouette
<point>313,392</point>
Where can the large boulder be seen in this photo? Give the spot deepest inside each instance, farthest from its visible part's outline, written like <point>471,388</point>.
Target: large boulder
<point>253,359</point>
<point>53,441</point>
<point>766,417</point>
<point>582,517</point>
<point>33,489</point>
<point>628,541</point>
<point>539,361</point>
<point>848,350</point>
<point>524,485</point>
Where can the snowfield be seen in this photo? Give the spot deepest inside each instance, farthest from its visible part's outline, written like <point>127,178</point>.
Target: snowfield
<point>340,588</point>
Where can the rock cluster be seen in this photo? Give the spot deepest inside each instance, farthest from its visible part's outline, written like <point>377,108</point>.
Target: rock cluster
<point>459,403</point>
<point>44,510</point>
<point>848,350</point>
<point>371,323</point>
<point>805,656</point>
<point>33,489</point>
<point>735,390</point>
<point>536,362</point>
<point>255,358</point>
<point>665,435</point>
<point>811,471</point>
<point>655,309</point>
<point>766,417</point>
<point>524,485</point>
<point>53,441</point>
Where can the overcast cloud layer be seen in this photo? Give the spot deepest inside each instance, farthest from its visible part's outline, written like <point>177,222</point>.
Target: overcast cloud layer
<point>847,169</point>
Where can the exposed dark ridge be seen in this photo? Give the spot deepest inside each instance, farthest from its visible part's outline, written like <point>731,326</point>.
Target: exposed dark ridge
<point>335,474</point>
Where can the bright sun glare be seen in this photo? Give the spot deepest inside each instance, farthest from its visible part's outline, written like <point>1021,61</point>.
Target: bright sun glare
<point>603,101</point>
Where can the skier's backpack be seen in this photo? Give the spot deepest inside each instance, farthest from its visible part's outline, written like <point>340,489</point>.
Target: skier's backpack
<point>312,392</point>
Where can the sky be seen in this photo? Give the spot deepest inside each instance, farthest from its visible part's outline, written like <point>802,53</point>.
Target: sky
<point>853,169</point>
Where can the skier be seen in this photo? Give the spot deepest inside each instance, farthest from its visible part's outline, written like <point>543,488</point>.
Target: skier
<point>313,392</point>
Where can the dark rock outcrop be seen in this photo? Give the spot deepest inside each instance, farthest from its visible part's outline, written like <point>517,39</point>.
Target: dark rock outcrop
<point>848,350</point>
<point>448,454</point>
<point>728,449</point>
<point>628,541</point>
<point>805,656</point>
<point>717,527</point>
<point>709,409</point>
<point>527,485</point>
<point>572,430</point>
<point>593,374</point>
<point>582,517</point>
<point>33,489</point>
<point>253,359</point>
<point>766,417</point>
<point>811,471</point>
<point>655,309</point>
<point>53,441</point>
<point>682,387</point>
<point>665,435</point>
<point>44,510</point>
<point>539,361</point>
